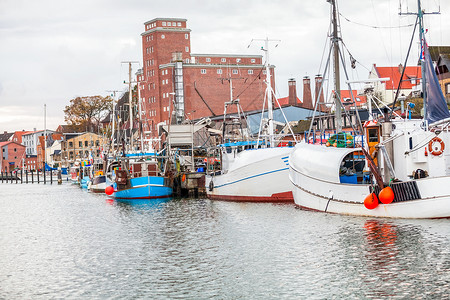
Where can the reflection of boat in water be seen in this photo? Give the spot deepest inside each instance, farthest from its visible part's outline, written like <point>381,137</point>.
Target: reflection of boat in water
<point>143,203</point>
<point>412,159</point>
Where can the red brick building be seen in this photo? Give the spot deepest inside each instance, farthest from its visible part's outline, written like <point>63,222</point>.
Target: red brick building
<point>12,155</point>
<point>198,83</point>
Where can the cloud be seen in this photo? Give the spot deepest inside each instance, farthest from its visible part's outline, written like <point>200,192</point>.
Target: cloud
<point>53,51</point>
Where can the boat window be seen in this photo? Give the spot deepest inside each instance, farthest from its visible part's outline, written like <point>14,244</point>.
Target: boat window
<point>352,169</point>
<point>373,135</point>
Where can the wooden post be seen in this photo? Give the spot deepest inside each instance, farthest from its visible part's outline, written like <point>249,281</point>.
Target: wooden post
<point>44,172</point>
<point>51,177</point>
<point>17,176</point>
<point>10,174</point>
<point>37,173</point>
<point>26,175</point>
<point>21,176</point>
<point>2,176</point>
<point>32,177</point>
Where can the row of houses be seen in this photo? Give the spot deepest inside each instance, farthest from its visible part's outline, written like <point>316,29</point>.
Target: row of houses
<point>31,150</point>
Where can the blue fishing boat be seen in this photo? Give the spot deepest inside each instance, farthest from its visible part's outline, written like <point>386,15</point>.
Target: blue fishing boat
<point>139,179</point>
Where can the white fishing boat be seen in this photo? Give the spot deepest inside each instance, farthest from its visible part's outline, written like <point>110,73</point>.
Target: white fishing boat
<point>249,170</point>
<point>410,174</point>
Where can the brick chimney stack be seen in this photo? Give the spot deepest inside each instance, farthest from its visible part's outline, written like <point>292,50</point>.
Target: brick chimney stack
<point>307,99</point>
<point>292,91</point>
<point>317,85</point>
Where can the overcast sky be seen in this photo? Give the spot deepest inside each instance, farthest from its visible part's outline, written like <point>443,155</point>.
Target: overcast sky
<point>52,51</point>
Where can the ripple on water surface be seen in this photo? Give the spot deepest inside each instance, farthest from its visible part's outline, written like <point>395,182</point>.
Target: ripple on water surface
<point>63,242</point>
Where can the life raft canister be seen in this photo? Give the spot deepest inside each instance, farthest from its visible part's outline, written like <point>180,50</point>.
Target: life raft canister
<point>436,146</point>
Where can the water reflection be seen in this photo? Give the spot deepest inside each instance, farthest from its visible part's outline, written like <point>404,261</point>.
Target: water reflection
<point>140,203</point>
<point>60,242</point>
<point>381,238</point>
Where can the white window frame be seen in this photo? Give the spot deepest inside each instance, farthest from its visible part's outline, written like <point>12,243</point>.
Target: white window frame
<point>253,60</point>
<point>250,72</point>
<point>235,71</point>
<point>219,71</point>
<point>202,71</point>
<point>223,59</point>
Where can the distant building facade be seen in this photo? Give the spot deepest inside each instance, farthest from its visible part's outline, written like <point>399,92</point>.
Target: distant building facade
<point>80,147</point>
<point>199,83</point>
<point>12,156</point>
<point>30,140</point>
<point>411,83</point>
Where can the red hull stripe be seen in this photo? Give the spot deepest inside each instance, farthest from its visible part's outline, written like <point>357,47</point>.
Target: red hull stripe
<point>279,197</point>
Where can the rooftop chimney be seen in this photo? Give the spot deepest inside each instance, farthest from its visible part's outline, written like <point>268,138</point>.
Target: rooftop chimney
<point>307,99</point>
<point>292,91</point>
<point>317,86</point>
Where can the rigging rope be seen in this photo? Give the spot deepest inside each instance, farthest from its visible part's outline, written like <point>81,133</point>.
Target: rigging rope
<point>376,27</point>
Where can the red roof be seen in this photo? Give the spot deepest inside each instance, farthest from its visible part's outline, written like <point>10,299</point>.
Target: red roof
<point>394,74</point>
<point>359,99</point>
<point>285,101</point>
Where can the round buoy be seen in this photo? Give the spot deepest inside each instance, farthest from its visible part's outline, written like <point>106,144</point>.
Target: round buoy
<point>386,195</point>
<point>371,201</point>
<point>109,190</point>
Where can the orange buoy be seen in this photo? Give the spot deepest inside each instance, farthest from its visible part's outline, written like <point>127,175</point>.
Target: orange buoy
<point>371,201</point>
<point>386,195</point>
<point>183,178</point>
<point>109,190</point>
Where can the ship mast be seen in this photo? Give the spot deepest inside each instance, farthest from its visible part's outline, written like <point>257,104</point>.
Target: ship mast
<point>337,86</point>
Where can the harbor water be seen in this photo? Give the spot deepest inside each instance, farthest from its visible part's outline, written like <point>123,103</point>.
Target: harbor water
<point>61,242</point>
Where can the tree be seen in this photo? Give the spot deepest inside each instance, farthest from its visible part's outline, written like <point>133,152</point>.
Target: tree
<point>85,113</point>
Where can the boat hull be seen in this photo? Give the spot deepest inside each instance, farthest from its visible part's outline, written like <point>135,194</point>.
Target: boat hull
<point>99,184</point>
<point>262,176</point>
<point>147,187</point>
<point>312,193</point>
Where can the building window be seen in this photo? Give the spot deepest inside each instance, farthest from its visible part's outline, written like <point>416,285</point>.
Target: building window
<point>264,72</point>
<point>186,36</point>
<point>219,71</point>
<point>186,60</point>
<point>163,23</point>
<point>163,36</point>
<point>223,60</point>
<point>85,143</point>
<point>80,144</point>
<point>167,81</point>
<point>208,59</point>
<point>238,60</point>
<point>235,71</point>
<point>253,60</point>
<point>186,49</point>
<point>169,24</point>
<point>179,24</point>
<point>70,144</point>
<point>447,88</point>
<point>250,72</point>
<point>203,71</point>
